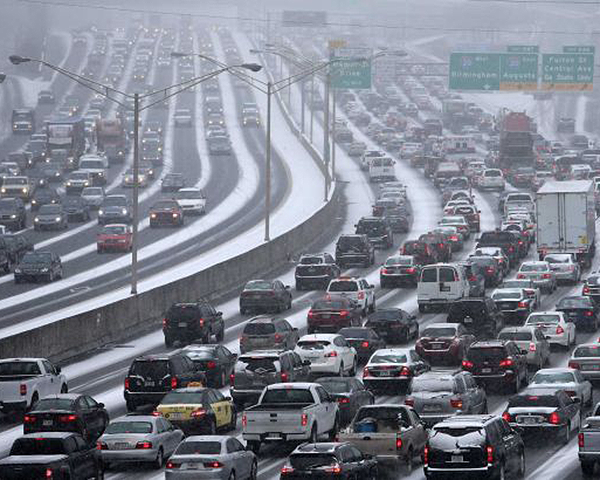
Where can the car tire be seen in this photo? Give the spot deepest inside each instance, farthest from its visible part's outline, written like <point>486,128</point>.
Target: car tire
<point>587,468</point>
<point>99,475</point>
<point>352,372</point>
<point>314,437</point>
<point>565,435</point>
<point>158,462</point>
<point>501,473</point>
<point>253,471</point>
<point>410,461</point>
<point>221,334</point>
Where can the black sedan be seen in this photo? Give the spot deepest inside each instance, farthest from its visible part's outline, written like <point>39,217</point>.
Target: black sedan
<point>76,208</point>
<point>265,296</point>
<point>350,394</point>
<point>172,182</point>
<point>329,460</point>
<point>394,325</point>
<point>365,341</point>
<point>581,310</point>
<point>44,196</point>
<point>216,361</point>
<point>67,412</point>
<point>38,265</point>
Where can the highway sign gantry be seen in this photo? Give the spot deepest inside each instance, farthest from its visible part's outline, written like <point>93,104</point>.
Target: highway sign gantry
<point>567,71</point>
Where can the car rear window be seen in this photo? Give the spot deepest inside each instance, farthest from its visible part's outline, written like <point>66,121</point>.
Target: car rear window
<point>388,358</point>
<point>347,242</point>
<point>516,336</point>
<point>538,319</point>
<point>445,384</point>
<point>582,302</point>
<point>343,286</point>
<point>259,328</point>
<point>313,344</point>
<point>553,377</point>
<point>385,316</point>
<point>487,353</point>
<point>19,368</point>
<point>311,260</point>
<point>258,285</point>
<point>150,368</point>
<point>129,427</point>
<point>177,398</point>
<point>253,364</point>
<point>183,312</point>
<point>429,275</point>
<point>439,332</point>
<point>329,305</point>
<point>312,461</point>
<point>533,401</point>
<point>335,385</point>
<point>198,448</point>
<point>587,351</point>
<point>533,267</point>
<point>38,446</point>
<point>504,295</point>
<point>55,404</point>
<point>287,395</point>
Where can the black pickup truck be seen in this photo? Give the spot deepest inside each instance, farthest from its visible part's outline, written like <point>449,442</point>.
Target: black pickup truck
<point>55,455</point>
<point>507,241</point>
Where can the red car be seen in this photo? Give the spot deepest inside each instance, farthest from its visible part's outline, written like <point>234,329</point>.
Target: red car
<point>444,343</point>
<point>166,212</point>
<point>331,314</point>
<point>115,237</point>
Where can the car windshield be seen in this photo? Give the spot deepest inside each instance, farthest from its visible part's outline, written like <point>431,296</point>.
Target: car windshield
<point>587,351</point>
<point>15,181</point>
<point>335,385</point>
<point>178,398</point>
<point>553,377</point>
<point>506,295</point>
<point>258,285</point>
<point>268,364</point>
<point>343,286</point>
<point>388,358</point>
<point>259,328</point>
<point>38,446</point>
<point>441,384</point>
<point>198,448</point>
<point>37,258</point>
<point>55,404</point>
<point>312,461</point>
<point>287,395</point>
<point>129,427</point>
<point>114,230</point>
<point>516,336</point>
<point>438,332</point>
<point>534,401</point>
<point>8,369</point>
<point>574,302</point>
<point>533,267</point>
<point>115,202</point>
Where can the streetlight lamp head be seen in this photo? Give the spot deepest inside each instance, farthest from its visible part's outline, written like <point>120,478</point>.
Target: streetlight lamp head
<point>17,59</point>
<point>254,67</point>
<point>2,77</point>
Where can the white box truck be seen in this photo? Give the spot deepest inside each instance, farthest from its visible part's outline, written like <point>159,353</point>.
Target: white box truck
<point>566,219</point>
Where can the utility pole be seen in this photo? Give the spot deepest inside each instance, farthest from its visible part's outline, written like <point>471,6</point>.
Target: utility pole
<point>135,216</point>
<point>268,167</point>
<point>326,153</point>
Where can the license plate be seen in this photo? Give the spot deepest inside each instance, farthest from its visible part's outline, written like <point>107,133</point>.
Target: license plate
<point>183,324</point>
<point>590,367</point>
<point>325,316</point>
<point>437,346</point>
<point>444,289</point>
<point>274,435</point>
<point>47,423</point>
<point>192,466</point>
<point>456,459</point>
<point>529,420</point>
<point>486,370</point>
<point>174,415</point>
<point>384,374</point>
<point>122,446</point>
<point>468,320</point>
<point>150,383</point>
<point>506,305</point>
<point>432,408</point>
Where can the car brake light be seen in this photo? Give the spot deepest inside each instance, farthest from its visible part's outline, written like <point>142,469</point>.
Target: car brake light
<point>173,383</point>
<point>143,445</point>
<point>171,465</point>
<point>472,278</point>
<point>201,322</point>
<point>571,393</point>
<point>507,362</point>
<point>466,364</point>
<point>311,314</point>
<point>532,347</point>
<point>411,270</point>
<point>560,330</point>
<point>405,372</point>
<point>574,365</point>
<point>365,372</point>
<point>244,420</point>
<point>490,454</point>
<point>278,338</point>
<point>385,271</point>
<point>581,440</point>
<point>490,270</point>
<point>554,418</point>
<point>165,322</point>
<point>304,420</point>
<point>287,469</point>
<point>426,455</point>
<point>454,238</point>
<point>398,443</point>
<point>67,418</point>
<point>49,473</point>
<point>507,416</point>
<point>101,446</point>
<point>343,400</point>
<point>23,389</point>
<point>409,401</point>
<point>231,378</point>
<point>335,469</point>
<point>284,377</point>
<point>210,365</point>
<point>588,313</point>
<point>364,344</point>
<point>200,412</point>
<point>546,275</point>
<point>456,403</point>
<point>213,465</point>
<point>344,313</point>
<point>29,419</point>
<point>361,295</point>
<point>522,304</point>
<point>586,290</point>
<point>520,275</point>
<point>331,354</point>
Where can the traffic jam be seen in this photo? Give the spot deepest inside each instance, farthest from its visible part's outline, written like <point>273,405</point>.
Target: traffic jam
<point>471,349</point>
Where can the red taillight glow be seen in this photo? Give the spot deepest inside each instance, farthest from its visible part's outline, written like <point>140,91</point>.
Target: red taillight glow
<point>398,443</point>
<point>23,389</point>
<point>244,420</point>
<point>29,419</point>
<point>231,378</point>
<point>411,270</point>
<point>554,418</point>
<point>490,270</point>
<point>210,365</point>
<point>532,347</point>
<point>560,330</point>
<point>165,323</point>
<point>405,372</point>
<point>343,400</point>
<point>467,364</point>
<point>507,416</point>
<point>364,344</point>
<point>344,313</point>
<point>213,465</point>
<point>574,365</point>
<point>409,401</point>
<point>581,440</point>
<point>173,383</point>
<point>365,372</point>
<point>507,362</point>
<point>335,469</point>
<point>278,337</point>
<point>287,469</point>
<point>520,275</point>
<point>589,313</point>
<point>522,304</point>
<point>456,403</point>
<point>200,412</point>
<point>304,420</point>
<point>126,384</point>
<point>144,445</point>
<point>586,290</point>
<point>67,418</point>
<point>331,354</point>
<point>201,322</point>
<point>385,271</point>
<point>284,377</point>
<point>101,446</point>
<point>171,465</point>
<point>49,473</point>
<point>426,455</point>
<point>311,315</point>
<point>490,454</point>
<point>546,276</point>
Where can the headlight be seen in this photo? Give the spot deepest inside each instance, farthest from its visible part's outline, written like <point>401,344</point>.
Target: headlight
<point>57,219</point>
<point>124,211</point>
<point>175,215</point>
<point>160,149</point>
<point>68,184</point>
<point>153,215</point>
<point>100,174</point>
<point>36,219</point>
<point>17,270</point>
<point>44,270</point>
<point>13,216</point>
<point>3,190</point>
<point>100,212</point>
<point>24,190</point>
<point>15,126</point>
<point>86,183</point>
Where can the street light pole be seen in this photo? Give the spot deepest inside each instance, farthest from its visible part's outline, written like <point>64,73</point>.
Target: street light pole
<point>268,166</point>
<point>303,103</point>
<point>333,142</point>
<point>135,208</point>
<point>312,106</point>
<point>326,153</point>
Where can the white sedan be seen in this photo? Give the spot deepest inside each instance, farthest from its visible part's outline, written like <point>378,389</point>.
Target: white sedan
<point>554,327</point>
<point>327,353</point>
<point>567,379</point>
<point>192,200</point>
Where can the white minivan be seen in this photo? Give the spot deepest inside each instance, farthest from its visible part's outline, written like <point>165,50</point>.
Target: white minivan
<point>441,284</point>
<point>381,169</point>
<point>492,179</point>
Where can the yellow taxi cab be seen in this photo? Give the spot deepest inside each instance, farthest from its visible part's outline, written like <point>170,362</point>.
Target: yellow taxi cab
<point>197,409</point>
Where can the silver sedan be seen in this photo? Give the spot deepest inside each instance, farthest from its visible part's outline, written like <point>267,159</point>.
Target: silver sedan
<point>139,438</point>
<point>212,456</point>
<point>564,267</point>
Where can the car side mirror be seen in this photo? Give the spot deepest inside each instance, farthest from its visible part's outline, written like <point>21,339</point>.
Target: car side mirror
<point>306,363</point>
<point>100,405</point>
<point>58,369</point>
<point>294,329</point>
<point>227,399</point>
<point>287,287</point>
<point>576,400</point>
<point>219,314</point>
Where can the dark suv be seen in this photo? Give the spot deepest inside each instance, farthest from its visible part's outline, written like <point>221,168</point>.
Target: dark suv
<point>189,322</point>
<point>498,362</point>
<point>15,246</point>
<point>354,250</point>
<point>150,377</point>
<point>474,444</point>
<point>266,333</point>
<point>12,213</point>
<point>507,241</point>
<point>316,271</point>
<point>378,230</point>
<point>255,370</point>
<point>479,315</point>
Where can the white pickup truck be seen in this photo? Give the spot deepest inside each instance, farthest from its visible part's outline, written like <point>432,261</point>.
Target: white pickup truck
<point>290,412</point>
<point>23,381</point>
<point>589,443</point>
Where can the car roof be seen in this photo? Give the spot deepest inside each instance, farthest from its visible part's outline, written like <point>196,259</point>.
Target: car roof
<point>263,319</point>
<point>49,435</point>
<point>384,351</point>
<point>557,370</point>
<point>489,343</point>
<point>321,447</point>
<point>467,420</point>
<point>320,336</point>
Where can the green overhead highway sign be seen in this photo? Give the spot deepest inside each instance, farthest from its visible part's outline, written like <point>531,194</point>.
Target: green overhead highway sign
<point>351,68</point>
<point>579,49</point>
<point>568,71</point>
<point>493,71</point>
<point>523,49</point>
